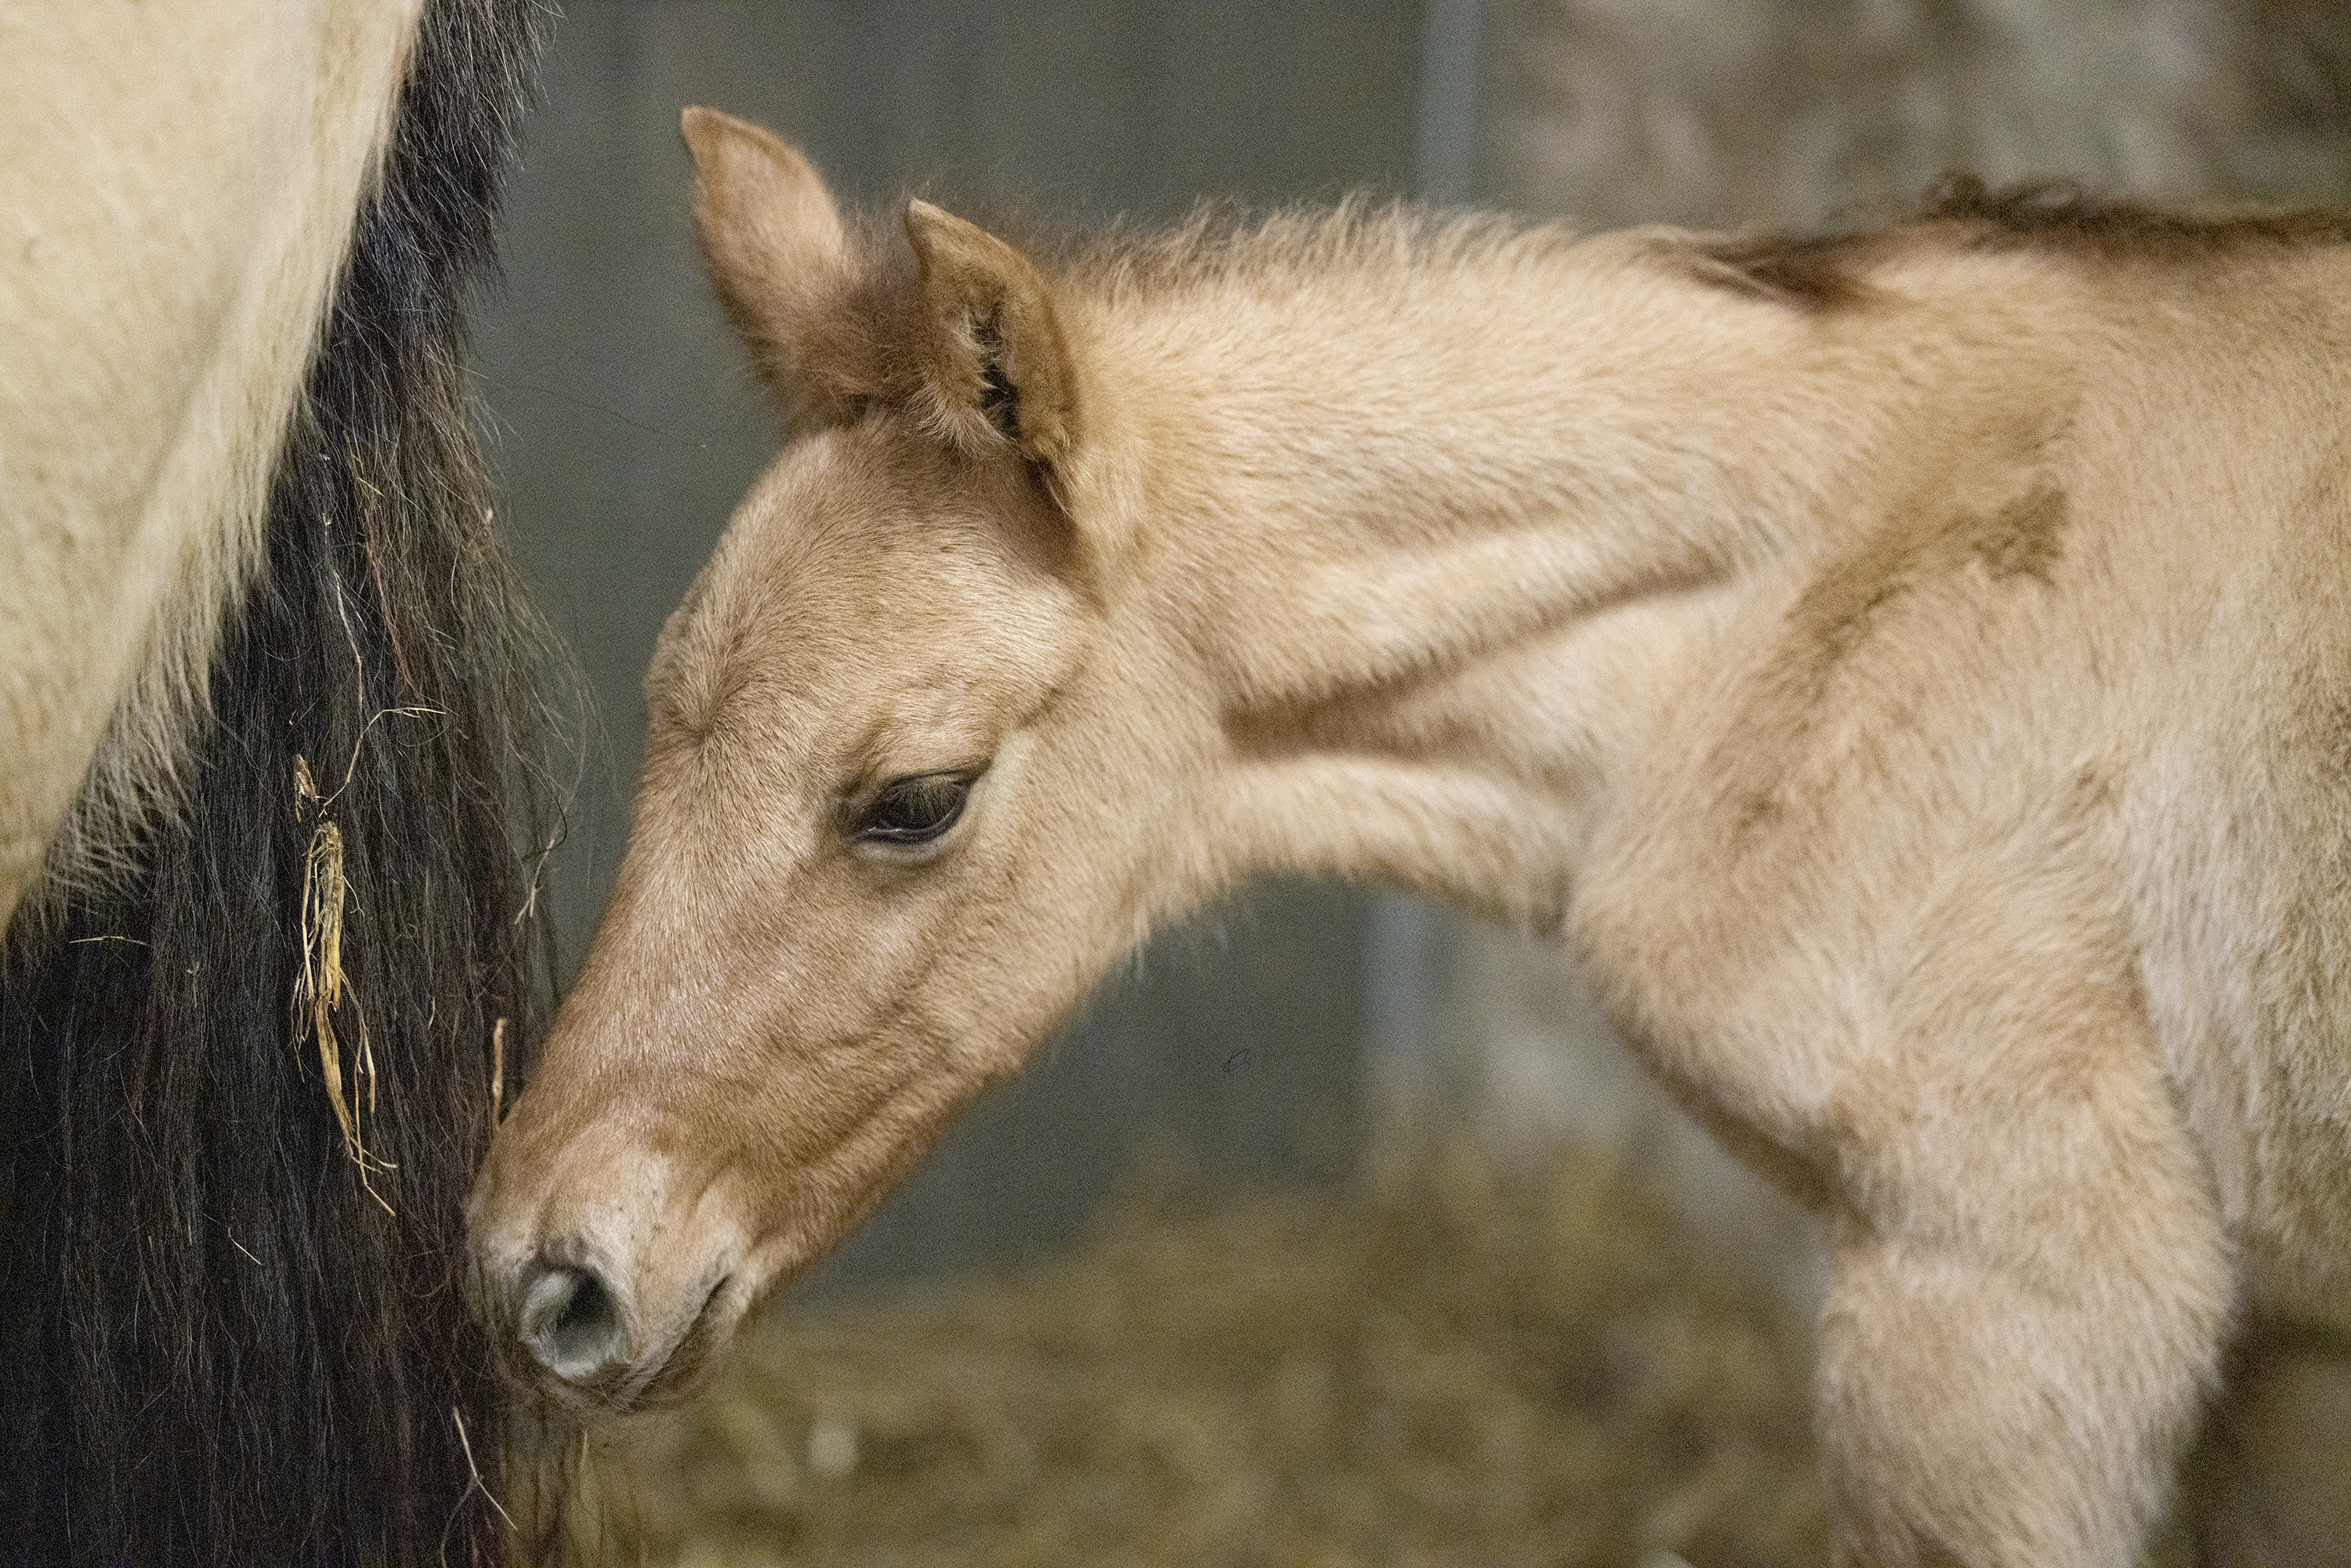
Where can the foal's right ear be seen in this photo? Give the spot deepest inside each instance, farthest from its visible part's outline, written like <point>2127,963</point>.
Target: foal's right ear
<point>773,244</point>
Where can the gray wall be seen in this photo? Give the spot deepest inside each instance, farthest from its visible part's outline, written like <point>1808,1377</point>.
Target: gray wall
<point>629,428</point>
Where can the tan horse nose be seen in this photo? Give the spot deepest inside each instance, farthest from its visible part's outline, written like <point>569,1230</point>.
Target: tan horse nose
<point>570,1321</point>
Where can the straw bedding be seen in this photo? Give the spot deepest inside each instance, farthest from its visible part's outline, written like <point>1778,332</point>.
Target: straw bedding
<point>1445,1363</point>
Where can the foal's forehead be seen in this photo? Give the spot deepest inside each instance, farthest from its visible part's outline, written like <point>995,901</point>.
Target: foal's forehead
<point>872,504</point>
<point>865,560</point>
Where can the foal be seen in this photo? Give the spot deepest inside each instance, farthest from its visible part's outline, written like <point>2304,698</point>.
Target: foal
<point>1911,672</point>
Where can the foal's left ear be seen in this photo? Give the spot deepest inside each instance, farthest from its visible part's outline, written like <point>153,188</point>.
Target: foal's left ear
<point>993,364</point>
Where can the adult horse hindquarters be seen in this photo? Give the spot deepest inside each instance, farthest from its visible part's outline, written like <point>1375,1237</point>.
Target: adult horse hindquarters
<point>246,542</point>
<point>1907,667</point>
<point>180,183</point>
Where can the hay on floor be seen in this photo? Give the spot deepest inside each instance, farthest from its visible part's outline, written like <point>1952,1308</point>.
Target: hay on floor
<point>1448,1367</point>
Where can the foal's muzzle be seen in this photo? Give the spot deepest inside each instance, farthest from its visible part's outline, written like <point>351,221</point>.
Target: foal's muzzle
<point>570,1321</point>
<point>598,1339</point>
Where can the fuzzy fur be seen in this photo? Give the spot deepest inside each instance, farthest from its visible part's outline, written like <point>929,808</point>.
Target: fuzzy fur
<point>219,1345</point>
<point>161,302</point>
<point>1919,703</point>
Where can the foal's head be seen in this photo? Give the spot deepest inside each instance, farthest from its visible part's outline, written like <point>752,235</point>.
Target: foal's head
<point>908,788</point>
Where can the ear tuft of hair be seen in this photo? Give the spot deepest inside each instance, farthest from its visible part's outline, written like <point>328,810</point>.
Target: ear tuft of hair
<point>992,366</point>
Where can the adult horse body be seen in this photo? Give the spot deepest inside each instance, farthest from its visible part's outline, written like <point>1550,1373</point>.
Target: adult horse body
<point>180,183</point>
<point>258,701</point>
<point>1909,669</point>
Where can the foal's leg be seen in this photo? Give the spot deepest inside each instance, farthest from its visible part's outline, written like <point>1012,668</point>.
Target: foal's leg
<point>2032,1285</point>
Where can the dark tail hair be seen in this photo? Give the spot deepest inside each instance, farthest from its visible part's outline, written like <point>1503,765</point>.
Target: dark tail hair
<point>221,1340</point>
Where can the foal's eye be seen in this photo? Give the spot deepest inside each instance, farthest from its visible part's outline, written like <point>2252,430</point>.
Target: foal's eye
<point>914,810</point>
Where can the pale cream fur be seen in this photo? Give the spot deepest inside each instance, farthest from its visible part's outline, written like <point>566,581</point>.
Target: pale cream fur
<point>1926,716</point>
<point>178,179</point>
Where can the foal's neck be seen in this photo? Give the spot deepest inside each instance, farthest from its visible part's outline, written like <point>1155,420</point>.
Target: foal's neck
<point>1442,523</point>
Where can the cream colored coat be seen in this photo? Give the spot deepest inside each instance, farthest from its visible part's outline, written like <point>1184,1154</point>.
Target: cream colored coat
<point>178,179</point>
<point>1912,673</point>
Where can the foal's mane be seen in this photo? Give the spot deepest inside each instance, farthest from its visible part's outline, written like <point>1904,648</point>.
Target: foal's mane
<point>1228,243</point>
<point>1367,237</point>
<point>1961,213</point>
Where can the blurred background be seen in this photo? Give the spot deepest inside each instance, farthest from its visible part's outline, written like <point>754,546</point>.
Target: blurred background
<point>1332,1058</point>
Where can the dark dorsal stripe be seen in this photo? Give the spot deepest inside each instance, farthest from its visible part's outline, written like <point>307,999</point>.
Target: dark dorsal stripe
<point>1826,271</point>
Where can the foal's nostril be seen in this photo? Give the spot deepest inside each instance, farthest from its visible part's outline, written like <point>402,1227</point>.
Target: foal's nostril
<point>570,1322</point>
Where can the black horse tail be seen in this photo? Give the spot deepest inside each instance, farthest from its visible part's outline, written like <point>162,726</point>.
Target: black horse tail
<point>232,1331</point>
